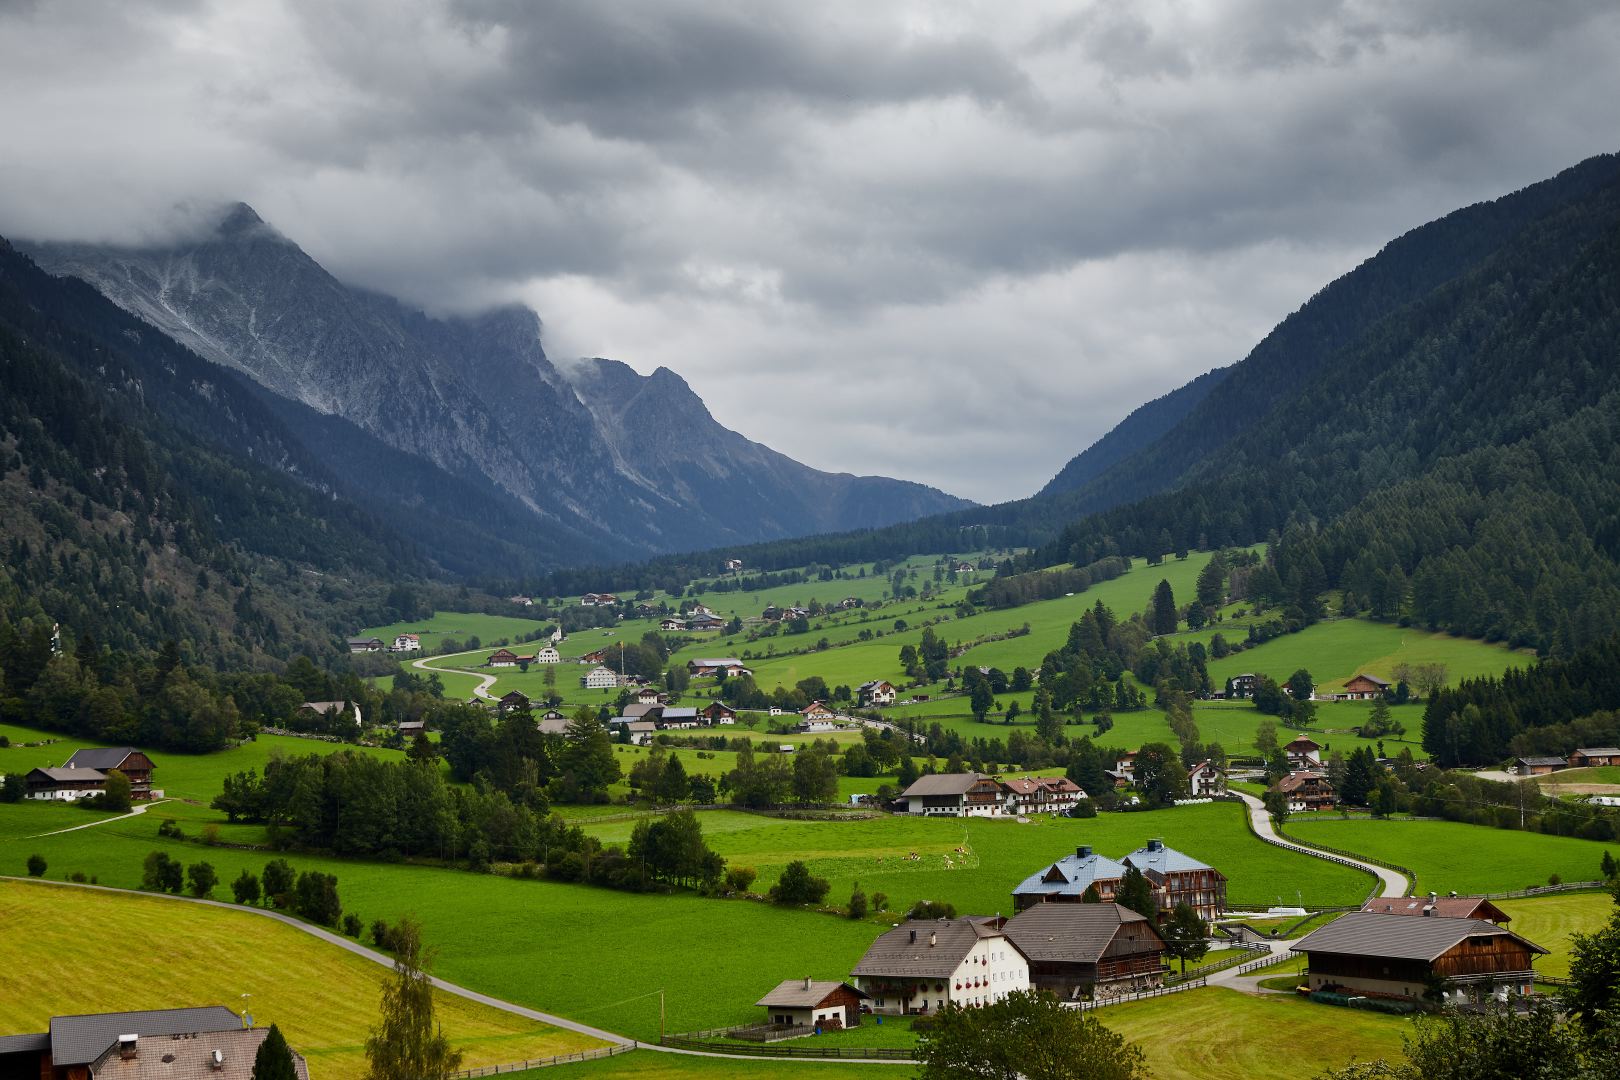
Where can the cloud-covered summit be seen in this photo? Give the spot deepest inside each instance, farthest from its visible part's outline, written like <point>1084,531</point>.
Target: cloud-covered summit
<point>952,243</point>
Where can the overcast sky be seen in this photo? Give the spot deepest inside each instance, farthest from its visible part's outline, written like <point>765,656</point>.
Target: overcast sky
<point>953,243</point>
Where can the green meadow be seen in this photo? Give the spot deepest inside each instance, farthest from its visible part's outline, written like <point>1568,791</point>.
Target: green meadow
<point>1338,649</point>
<point>459,625</point>
<point>975,863</point>
<point>1450,856</point>
<point>1552,921</point>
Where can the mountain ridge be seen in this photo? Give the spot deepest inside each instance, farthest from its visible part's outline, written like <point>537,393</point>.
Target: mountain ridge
<point>478,398</point>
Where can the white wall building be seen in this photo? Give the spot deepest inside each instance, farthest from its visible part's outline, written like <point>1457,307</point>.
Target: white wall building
<point>920,965</point>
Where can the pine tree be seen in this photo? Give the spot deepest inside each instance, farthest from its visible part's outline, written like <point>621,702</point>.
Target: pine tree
<point>1162,618</point>
<point>1136,894</point>
<point>274,1060</point>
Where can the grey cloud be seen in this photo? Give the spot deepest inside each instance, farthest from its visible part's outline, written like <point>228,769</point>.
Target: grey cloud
<point>1016,223</point>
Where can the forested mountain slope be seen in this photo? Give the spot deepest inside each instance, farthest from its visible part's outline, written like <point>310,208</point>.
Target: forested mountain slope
<point>1435,432</point>
<point>146,495</point>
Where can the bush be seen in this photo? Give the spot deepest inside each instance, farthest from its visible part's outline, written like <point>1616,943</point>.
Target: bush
<point>739,878</point>
<point>201,878</point>
<point>880,901</point>
<point>857,904</point>
<point>927,909</point>
<point>798,886</point>
<point>352,926</point>
<point>160,873</point>
<point>36,866</point>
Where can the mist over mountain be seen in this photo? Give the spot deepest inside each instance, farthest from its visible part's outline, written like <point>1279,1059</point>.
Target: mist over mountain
<point>601,463</point>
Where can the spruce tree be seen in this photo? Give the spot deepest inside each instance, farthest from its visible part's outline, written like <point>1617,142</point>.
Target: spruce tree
<point>274,1060</point>
<point>1162,617</point>
<point>1136,894</point>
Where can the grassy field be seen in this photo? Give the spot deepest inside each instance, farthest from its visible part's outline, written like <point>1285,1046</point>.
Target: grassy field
<point>1450,856</point>
<point>459,625</point>
<point>975,863</point>
<point>57,941</point>
<point>1198,1034</point>
<point>1337,650</point>
<point>1550,920</point>
<point>652,1065</point>
<point>198,777</point>
<point>501,935</point>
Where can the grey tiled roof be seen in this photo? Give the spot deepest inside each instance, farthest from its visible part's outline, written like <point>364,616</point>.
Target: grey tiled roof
<point>1068,933</point>
<point>68,776</point>
<point>190,1057</point>
<point>895,955</point>
<point>942,784</point>
<point>792,993</point>
<point>1163,859</point>
<point>1399,937</point>
<point>79,1040</point>
<point>99,758</point>
<point>1543,760</point>
<point>1070,876</point>
<point>36,1043</point>
<point>1599,751</point>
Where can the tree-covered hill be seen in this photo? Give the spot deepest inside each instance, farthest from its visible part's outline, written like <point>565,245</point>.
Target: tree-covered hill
<point>1434,432</point>
<point>146,496</point>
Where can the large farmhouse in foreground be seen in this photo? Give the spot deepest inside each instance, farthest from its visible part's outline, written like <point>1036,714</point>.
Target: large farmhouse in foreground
<point>207,1043</point>
<point>1077,950</point>
<point>85,774</point>
<point>921,964</point>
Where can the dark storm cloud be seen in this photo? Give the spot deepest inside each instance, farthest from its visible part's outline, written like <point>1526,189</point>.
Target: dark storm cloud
<point>1009,224</point>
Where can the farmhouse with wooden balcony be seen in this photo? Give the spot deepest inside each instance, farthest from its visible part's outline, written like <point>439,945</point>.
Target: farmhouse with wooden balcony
<point>1076,950</point>
<point>1370,952</point>
<point>1180,879</point>
<point>920,965</point>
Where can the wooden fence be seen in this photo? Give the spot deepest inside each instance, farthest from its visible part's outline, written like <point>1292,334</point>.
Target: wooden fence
<point>712,1042</point>
<point>541,1063</point>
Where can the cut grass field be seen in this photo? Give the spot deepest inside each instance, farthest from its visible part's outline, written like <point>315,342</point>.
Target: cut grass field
<point>459,625</point>
<point>1451,856</point>
<point>538,943</point>
<point>653,1065</point>
<point>1336,650</point>
<point>1199,1034</point>
<point>57,942</point>
<point>1549,921</point>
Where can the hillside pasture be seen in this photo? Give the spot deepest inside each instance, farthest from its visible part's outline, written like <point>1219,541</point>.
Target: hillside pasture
<point>1450,856</point>
<point>501,935</point>
<point>459,625</point>
<point>1339,649</point>
<point>59,941</point>
<point>1551,922</point>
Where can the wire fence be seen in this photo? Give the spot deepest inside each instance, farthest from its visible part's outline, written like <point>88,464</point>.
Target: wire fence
<point>1141,995</point>
<point>541,1063</point>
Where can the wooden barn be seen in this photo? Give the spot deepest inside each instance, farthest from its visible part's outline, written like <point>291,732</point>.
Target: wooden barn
<point>1077,950</point>
<point>1373,952</point>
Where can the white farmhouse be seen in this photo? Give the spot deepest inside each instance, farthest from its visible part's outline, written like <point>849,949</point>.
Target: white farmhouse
<point>920,965</point>
<point>599,678</point>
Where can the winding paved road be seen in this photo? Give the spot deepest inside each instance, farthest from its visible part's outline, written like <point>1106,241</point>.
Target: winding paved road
<point>481,690</point>
<point>1390,882</point>
<point>135,812</point>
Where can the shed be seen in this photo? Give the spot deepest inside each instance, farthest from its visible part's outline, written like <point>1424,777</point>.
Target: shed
<point>809,1003</point>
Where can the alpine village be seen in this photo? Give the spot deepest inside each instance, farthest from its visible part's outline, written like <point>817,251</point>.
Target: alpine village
<point>389,691</point>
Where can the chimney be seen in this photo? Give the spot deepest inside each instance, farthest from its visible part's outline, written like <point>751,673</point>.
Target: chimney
<point>933,938</point>
<point>1155,845</point>
<point>914,937</point>
<point>127,1046</point>
<point>1083,851</point>
<point>807,982</point>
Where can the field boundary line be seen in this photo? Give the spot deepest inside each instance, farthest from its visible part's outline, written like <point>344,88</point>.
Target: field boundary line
<point>616,1040</point>
<point>357,949</point>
